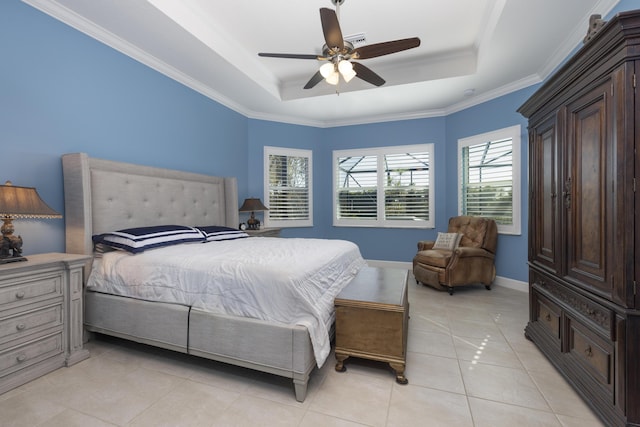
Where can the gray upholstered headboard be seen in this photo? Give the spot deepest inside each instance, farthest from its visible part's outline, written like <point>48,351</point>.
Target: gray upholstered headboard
<point>103,195</point>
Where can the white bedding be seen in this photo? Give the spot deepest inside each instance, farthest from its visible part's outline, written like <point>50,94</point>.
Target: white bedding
<point>291,281</point>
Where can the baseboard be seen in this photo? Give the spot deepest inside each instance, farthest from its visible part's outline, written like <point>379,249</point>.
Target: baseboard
<point>505,282</point>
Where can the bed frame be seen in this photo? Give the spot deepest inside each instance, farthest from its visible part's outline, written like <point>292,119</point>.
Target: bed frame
<point>102,195</point>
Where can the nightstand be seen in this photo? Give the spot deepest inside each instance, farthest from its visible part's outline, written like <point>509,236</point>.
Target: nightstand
<point>264,232</point>
<point>41,316</point>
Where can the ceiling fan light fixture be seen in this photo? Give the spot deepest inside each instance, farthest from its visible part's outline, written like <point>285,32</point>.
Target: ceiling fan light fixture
<point>327,69</point>
<point>333,78</point>
<point>346,69</point>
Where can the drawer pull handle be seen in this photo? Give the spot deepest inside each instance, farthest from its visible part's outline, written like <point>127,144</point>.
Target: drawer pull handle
<point>21,358</point>
<point>20,294</point>
<point>547,317</point>
<point>588,352</point>
<point>20,326</point>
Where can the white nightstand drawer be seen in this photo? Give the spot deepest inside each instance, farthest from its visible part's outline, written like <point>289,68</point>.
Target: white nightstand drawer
<point>19,357</point>
<point>30,322</point>
<point>30,289</point>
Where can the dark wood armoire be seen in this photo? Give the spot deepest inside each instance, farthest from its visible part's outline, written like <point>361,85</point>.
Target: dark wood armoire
<point>584,128</point>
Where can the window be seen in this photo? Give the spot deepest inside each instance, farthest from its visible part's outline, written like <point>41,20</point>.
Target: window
<point>489,177</point>
<point>287,190</point>
<point>384,187</point>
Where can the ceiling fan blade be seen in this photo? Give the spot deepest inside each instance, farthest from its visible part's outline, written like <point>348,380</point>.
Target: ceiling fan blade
<point>317,78</point>
<point>289,55</point>
<point>367,75</point>
<point>385,48</point>
<point>331,29</point>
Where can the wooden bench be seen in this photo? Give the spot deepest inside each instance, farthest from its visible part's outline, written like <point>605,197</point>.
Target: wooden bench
<point>372,315</point>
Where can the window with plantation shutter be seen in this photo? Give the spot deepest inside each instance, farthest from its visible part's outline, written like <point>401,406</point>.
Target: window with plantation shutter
<point>288,187</point>
<point>384,187</point>
<point>489,177</point>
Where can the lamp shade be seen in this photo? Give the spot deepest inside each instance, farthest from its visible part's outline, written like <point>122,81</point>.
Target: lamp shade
<point>252,204</point>
<point>23,202</point>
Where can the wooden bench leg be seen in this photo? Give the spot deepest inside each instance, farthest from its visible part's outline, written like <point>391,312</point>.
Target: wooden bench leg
<point>340,362</point>
<point>399,369</point>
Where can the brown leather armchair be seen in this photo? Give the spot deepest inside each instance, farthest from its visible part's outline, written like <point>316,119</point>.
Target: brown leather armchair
<point>472,261</point>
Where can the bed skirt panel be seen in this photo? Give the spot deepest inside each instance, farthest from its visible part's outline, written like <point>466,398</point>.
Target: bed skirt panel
<point>159,324</point>
<point>277,348</point>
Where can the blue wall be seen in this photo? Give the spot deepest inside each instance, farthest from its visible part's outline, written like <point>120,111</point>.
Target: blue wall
<point>61,91</point>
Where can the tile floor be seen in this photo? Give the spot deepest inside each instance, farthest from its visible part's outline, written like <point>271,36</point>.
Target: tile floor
<point>468,364</point>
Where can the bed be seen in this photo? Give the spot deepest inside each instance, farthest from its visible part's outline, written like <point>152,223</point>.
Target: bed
<point>103,196</point>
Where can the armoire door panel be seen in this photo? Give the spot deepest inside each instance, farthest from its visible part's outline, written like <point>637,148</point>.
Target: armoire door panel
<point>587,200</point>
<point>544,182</point>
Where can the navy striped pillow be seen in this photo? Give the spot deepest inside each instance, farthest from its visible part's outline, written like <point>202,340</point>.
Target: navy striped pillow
<point>136,240</point>
<point>216,233</point>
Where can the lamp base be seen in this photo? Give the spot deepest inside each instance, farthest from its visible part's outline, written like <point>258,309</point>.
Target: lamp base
<point>9,259</point>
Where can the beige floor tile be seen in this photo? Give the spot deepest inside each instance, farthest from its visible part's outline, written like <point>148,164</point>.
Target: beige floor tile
<point>567,421</point>
<point>486,350</point>
<point>495,414</point>
<point>359,398</point>
<point>433,343</point>
<point>116,399</point>
<point>561,397</point>
<point>474,329</point>
<point>531,358</point>
<point>419,406</point>
<point>426,320</point>
<point>316,419</point>
<point>71,418</point>
<point>436,372</point>
<point>188,404</point>
<point>25,409</point>
<point>249,411</point>
<point>506,385</point>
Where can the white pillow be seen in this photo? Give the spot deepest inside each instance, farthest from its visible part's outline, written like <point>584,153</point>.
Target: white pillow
<point>447,241</point>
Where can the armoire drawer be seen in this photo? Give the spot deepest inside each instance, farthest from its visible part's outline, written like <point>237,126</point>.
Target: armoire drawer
<point>29,289</point>
<point>21,356</point>
<point>547,314</point>
<point>30,322</point>
<point>592,352</point>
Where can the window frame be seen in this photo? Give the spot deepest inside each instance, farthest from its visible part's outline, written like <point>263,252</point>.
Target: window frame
<point>288,152</point>
<point>380,152</point>
<point>514,133</point>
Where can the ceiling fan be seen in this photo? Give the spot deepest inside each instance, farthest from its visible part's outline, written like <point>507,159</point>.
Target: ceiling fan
<point>340,54</point>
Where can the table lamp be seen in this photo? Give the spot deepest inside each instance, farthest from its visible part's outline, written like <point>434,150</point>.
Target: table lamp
<point>18,202</point>
<point>252,205</point>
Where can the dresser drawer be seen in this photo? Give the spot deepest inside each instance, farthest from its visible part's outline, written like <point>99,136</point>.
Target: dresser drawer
<point>548,315</point>
<point>30,322</point>
<point>29,289</point>
<point>27,354</point>
<point>591,352</point>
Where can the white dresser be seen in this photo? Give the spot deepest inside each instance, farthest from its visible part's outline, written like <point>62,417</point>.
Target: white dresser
<point>41,316</point>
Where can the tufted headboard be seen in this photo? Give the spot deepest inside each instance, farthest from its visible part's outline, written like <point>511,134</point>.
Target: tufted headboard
<point>103,195</point>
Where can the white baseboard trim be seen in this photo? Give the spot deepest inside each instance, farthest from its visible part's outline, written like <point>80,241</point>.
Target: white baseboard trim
<point>505,282</point>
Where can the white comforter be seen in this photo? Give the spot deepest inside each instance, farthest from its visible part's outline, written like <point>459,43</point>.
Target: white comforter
<point>291,281</point>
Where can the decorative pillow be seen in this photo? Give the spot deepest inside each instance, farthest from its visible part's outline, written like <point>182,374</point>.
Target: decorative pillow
<point>448,241</point>
<point>215,233</point>
<point>136,240</point>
